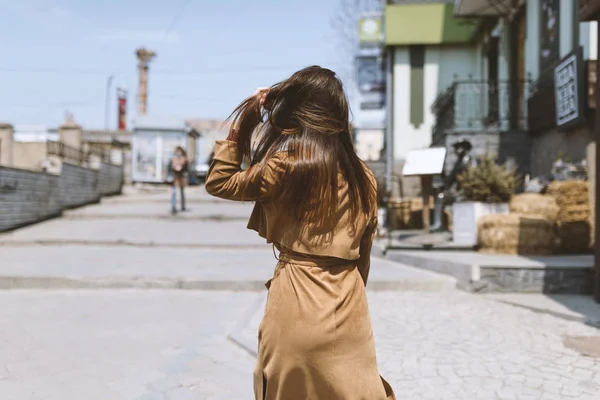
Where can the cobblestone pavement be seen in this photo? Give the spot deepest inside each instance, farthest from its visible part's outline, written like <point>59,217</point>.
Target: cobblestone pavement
<point>459,346</point>
<point>155,345</point>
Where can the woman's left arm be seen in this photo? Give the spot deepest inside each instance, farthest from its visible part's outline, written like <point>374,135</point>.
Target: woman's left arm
<point>366,244</point>
<point>226,179</point>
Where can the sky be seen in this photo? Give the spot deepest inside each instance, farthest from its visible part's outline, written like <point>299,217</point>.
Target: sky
<point>57,55</point>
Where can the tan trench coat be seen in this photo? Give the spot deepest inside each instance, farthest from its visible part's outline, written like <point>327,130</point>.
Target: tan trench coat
<point>315,339</point>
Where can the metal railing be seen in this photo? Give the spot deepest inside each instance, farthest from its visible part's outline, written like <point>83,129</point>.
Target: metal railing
<point>66,153</point>
<point>479,105</point>
<point>77,156</point>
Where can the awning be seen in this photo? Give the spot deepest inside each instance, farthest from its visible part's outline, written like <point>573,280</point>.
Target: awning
<point>426,24</point>
<point>481,8</point>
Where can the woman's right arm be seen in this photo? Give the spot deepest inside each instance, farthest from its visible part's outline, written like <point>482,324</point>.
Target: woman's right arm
<point>226,180</point>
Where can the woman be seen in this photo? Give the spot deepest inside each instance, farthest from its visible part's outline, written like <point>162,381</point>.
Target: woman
<point>178,166</point>
<point>316,203</point>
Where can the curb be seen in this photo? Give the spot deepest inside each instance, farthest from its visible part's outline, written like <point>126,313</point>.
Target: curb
<point>124,243</point>
<point>137,282</point>
<point>568,317</point>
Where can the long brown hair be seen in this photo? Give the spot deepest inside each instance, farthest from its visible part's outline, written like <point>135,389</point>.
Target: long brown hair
<point>308,117</point>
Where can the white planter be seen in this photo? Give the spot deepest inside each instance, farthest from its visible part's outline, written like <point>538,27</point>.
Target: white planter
<point>465,216</point>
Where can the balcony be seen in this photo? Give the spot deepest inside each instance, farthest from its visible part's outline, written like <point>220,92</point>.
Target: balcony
<point>478,106</point>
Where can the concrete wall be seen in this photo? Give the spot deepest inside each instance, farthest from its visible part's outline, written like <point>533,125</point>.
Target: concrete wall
<point>29,155</point>
<point>510,146</point>
<point>443,64</point>
<point>546,147</point>
<point>110,179</point>
<point>27,197</point>
<point>78,186</point>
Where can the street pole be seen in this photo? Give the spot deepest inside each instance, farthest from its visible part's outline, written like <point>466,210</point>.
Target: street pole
<point>389,128</point>
<point>107,103</point>
<point>596,206</point>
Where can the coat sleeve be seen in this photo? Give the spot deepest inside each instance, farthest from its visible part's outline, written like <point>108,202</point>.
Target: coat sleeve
<point>366,244</point>
<point>226,180</point>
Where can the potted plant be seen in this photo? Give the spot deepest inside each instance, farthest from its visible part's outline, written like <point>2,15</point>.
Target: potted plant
<point>483,189</point>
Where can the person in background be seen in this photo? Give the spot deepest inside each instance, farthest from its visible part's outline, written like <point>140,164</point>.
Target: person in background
<point>178,167</point>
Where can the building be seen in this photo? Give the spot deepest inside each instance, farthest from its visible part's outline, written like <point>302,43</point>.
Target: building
<point>209,131</point>
<point>535,92</point>
<point>153,141</point>
<point>428,51</point>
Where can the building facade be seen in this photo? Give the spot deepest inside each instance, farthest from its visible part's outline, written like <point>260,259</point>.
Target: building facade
<point>544,57</point>
<point>428,50</point>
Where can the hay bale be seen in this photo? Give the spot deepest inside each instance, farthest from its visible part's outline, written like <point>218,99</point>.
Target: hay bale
<point>571,192</point>
<point>399,213</point>
<point>516,234</point>
<point>534,204</point>
<point>573,222</point>
<point>574,213</point>
<point>574,237</point>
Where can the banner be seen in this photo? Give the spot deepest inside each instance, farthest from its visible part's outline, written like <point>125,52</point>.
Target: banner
<point>122,111</point>
<point>370,78</point>
<point>550,32</point>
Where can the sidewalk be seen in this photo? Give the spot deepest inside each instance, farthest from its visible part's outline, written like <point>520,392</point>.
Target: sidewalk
<point>132,241</point>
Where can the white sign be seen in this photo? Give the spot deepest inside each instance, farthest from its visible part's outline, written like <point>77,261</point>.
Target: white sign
<point>566,90</point>
<point>425,162</point>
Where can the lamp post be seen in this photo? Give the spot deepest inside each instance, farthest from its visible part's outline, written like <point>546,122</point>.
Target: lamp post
<point>107,103</point>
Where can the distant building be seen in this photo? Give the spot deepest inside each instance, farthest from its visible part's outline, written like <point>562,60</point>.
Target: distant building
<point>209,131</point>
<point>34,133</point>
<point>153,141</point>
<point>539,61</point>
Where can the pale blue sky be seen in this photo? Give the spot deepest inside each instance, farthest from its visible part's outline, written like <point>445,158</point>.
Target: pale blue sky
<point>58,54</point>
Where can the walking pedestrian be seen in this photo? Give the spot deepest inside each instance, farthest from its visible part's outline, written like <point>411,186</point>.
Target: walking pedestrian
<point>178,167</point>
<point>316,202</point>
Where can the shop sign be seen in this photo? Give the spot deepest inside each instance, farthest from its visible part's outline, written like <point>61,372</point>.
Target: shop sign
<point>569,90</point>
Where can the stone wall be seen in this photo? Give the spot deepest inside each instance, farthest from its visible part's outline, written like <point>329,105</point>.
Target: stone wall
<point>78,186</point>
<point>508,146</point>
<point>110,179</point>
<point>27,197</point>
<point>546,147</point>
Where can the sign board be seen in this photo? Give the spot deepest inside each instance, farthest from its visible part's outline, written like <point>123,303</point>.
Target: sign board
<point>425,162</point>
<point>122,110</point>
<point>370,30</point>
<point>569,90</point>
<point>370,78</point>
<point>549,32</point>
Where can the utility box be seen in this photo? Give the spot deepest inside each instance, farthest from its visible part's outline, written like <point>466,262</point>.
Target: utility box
<point>153,143</point>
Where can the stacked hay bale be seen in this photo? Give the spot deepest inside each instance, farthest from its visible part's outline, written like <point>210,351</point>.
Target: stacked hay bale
<point>529,229</point>
<point>573,220</point>
<point>399,213</point>
<point>534,204</point>
<point>516,234</point>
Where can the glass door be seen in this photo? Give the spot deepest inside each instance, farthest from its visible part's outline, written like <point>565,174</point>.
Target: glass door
<point>145,152</point>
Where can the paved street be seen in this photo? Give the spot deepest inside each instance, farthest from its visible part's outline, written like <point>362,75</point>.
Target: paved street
<point>118,341</point>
